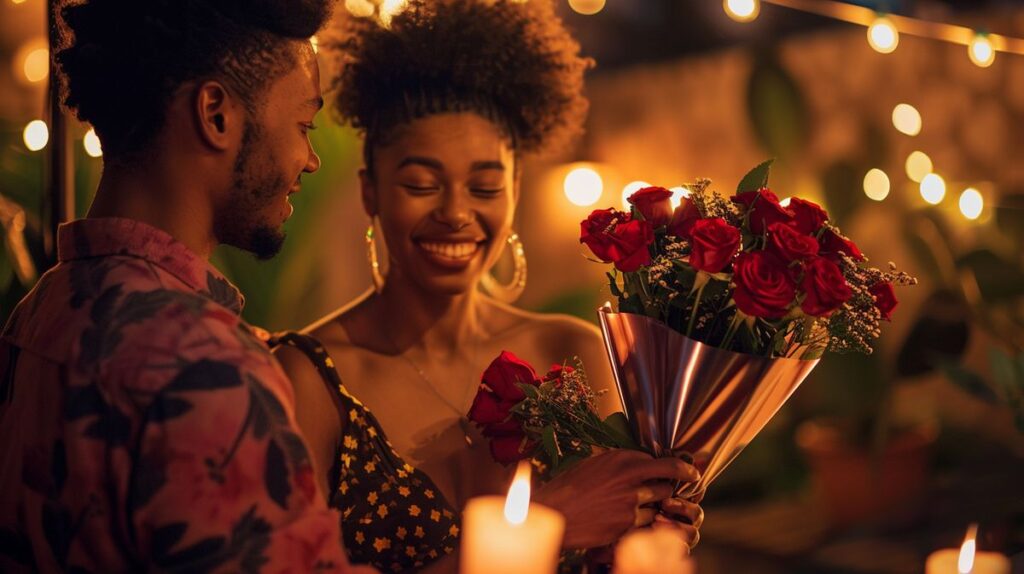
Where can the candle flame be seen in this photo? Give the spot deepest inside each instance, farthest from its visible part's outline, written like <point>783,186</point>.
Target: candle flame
<point>966,562</point>
<point>517,504</point>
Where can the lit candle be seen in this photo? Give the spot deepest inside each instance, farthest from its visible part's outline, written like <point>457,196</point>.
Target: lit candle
<point>511,535</point>
<point>967,560</point>
<point>652,551</point>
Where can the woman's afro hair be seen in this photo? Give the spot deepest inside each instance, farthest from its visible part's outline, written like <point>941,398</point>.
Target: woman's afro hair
<point>512,61</point>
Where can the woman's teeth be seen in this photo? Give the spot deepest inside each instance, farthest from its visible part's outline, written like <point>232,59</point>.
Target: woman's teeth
<point>449,250</point>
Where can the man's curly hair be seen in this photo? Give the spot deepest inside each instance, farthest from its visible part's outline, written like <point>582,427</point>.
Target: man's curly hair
<point>511,61</point>
<point>123,60</point>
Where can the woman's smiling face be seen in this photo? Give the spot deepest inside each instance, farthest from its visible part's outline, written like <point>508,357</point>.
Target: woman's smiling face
<point>444,188</point>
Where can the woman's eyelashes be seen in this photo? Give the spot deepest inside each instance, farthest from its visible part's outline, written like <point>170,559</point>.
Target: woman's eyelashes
<point>485,191</point>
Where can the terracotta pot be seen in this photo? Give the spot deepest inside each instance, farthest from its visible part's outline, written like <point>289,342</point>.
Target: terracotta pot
<point>856,486</point>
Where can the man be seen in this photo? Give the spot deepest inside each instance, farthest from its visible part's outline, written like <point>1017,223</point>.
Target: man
<point>143,425</point>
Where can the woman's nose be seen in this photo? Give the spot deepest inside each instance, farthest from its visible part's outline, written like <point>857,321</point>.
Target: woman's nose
<point>454,210</point>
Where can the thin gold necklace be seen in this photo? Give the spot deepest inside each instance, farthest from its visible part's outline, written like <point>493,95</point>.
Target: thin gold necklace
<point>464,423</point>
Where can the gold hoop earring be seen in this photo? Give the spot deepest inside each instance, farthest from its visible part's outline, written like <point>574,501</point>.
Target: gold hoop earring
<point>512,290</point>
<point>371,255</point>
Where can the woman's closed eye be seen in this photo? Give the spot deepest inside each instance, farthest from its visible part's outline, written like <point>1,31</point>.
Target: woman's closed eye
<point>487,191</point>
<point>421,188</point>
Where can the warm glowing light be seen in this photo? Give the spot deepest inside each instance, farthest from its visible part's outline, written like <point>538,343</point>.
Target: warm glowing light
<point>36,135</point>
<point>971,203</point>
<point>876,184</point>
<point>587,7</point>
<point>583,186</point>
<point>933,188</point>
<point>678,194</point>
<point>315,42</point>
<point>918,165</point>
<point>517,503</point>
<point>388,9</point>
<point>359,8</point>
<point>631,188</point>
<point>785,201</point>
<point>966,561</point>
<point>91,143</point>
<point>742,10</point>
<point>981,52</point>
<point>36,65</point>
<point>18,1</point>
<point>907,119</point>
<point>882,35</point>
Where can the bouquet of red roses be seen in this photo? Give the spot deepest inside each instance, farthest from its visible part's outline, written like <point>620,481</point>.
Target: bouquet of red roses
<point>552,419</point>
<point>748,274</point>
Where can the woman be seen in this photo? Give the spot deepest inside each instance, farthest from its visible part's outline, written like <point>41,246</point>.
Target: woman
<point>450,97</point>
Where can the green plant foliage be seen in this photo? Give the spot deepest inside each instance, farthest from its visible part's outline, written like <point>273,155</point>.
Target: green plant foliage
<point>777,109</point>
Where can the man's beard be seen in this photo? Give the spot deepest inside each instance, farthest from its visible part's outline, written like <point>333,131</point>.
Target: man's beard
<point>240,222</point>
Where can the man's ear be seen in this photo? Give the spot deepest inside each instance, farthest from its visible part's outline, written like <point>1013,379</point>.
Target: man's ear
<point>368,192</point>
<point>219,116</point>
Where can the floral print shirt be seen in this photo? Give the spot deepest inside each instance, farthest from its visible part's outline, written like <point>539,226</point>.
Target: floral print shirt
<point>145,426</point>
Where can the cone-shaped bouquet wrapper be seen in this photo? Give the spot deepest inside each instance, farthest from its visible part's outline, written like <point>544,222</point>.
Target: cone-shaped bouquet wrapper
<point>687,399</point>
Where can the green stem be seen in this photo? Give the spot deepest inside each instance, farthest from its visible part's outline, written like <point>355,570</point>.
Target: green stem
<point>693,314</point>
<point>733,327</point>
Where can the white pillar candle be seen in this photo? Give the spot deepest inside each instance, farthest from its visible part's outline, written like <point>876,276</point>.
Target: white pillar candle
<point>967,560</point>
<point>510,535</point>
<point>652,551</point>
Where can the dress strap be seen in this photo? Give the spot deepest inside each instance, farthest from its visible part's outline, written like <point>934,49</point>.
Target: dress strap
<point>317,353</point>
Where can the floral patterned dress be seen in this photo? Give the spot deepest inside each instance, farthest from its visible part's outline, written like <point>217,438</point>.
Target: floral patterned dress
<point>393,516</point>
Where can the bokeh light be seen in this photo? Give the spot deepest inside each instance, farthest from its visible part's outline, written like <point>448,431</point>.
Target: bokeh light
<point>933,188</point>
<point>906,119</point>
<point>587,7</point>
<point>981,52</point>
<point>36,135</point>
<point>91,143</point>
<point>883,36</point>
<point>360,8</point>
<point>678,193</point>
<point>918,165</point>
<point>631,188</point>
<point>971,203</point>
<point>876,184</point>
<point>36,65</point>
<point>742,10</point>
<point>388,9</point>
<point>583,186</point>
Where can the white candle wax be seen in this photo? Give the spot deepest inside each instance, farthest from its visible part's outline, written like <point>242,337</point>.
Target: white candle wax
<point>946,561</point>
<point>652,551</point>
<point>493,545</point>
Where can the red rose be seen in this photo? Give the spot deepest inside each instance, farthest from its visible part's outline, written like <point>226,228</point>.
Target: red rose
<point>488,408</point>
<point>506,373</point>
<point>714,242</point>
<point>762,209</point>
<point>789,244</point>
<point>885,298</point>
<point>509,449</point>
<point>617,238</point>
<point>654,203</point>
<point>808,217</point>
<point>824,287</point>
<point>764,285</point>
<point>557,374</point>
<point>832,244</point>
<point>683,219</point>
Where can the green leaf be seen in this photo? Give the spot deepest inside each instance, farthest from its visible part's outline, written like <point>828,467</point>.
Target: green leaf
<point>547,442</point>
<point>617,426</point>
<point>755,178</point>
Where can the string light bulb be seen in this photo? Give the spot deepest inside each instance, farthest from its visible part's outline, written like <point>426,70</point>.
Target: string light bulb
<point>933,188</point>
<point>918,165</point>
<point>906,119</point>
<point>36,66</point>
<point>587,7</point>
<point>36,135</point>
<point>583,186</point>
<point>742,10</point>
<point>91,143</point>
<point>981,51</point>
<point>876,184</point>
<point>883,36</point>
<point>971,203</point>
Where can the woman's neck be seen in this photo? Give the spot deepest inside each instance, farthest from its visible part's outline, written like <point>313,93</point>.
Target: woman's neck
<point>435,324</point>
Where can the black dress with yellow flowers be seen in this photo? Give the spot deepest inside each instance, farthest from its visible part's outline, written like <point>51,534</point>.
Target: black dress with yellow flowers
<point>392,515</point>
